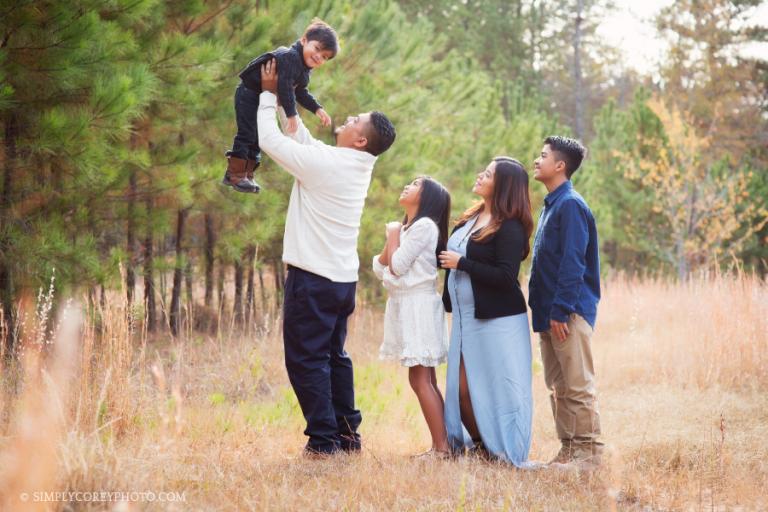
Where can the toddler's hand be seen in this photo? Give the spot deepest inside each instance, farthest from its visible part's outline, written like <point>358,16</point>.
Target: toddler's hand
<point>292,125</point>
<point>324,117</point>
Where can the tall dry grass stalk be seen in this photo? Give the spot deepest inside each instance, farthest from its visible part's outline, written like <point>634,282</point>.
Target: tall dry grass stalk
<point>101,405</point>
<point>41,412</point>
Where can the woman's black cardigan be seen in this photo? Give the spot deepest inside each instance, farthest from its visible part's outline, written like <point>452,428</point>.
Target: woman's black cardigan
<point>493,266</point>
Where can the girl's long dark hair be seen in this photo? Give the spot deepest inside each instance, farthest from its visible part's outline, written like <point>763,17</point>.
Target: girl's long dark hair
<point>435,204</point>
<point>510,201</point>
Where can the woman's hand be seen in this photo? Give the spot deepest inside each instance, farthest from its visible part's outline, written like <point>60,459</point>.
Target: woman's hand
<point>449,259</point>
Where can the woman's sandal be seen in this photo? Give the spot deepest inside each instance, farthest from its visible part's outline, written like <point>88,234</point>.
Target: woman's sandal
<point>480,451</point>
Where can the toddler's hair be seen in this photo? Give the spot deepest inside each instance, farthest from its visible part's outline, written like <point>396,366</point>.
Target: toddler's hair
<point>324,34</point>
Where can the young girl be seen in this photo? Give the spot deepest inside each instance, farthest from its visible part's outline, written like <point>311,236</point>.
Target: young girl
<point>415,330</point>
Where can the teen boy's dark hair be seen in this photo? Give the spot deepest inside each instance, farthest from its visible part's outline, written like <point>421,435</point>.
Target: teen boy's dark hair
<point>381,134</point>
<point>324,34</point>
<point>570,151</point>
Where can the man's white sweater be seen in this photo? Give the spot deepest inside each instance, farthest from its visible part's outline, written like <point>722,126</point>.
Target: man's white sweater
<point>331,183</point>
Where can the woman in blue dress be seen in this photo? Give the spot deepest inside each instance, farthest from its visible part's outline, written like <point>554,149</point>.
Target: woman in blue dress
<point>488,402</point>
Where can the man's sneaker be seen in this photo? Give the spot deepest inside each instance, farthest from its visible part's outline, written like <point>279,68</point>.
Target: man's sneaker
<point>565,455</point>
<point>586,458</point>
<point>350,443</point>
<point>312,454</point>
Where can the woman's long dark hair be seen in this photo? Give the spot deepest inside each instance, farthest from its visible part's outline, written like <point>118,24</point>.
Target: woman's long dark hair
<point>435,204</point>
<point>510,201</point>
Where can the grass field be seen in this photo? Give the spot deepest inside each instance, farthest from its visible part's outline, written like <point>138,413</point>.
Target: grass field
<point>682,374</point>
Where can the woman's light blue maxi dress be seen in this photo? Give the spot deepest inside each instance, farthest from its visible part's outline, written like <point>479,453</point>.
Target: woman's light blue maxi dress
<point>497,361</point>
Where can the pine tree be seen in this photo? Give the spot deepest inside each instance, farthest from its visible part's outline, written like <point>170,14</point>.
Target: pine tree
<point>67,103</point>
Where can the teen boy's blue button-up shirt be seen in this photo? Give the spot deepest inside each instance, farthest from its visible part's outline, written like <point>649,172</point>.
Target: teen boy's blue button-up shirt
<point>565,272</point>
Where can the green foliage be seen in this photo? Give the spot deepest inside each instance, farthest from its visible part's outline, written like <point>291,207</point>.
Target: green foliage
<point>116,115</point>
<point>622,207</point>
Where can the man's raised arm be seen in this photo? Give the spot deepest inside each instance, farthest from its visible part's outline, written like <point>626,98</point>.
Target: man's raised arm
<point>269,82</point>
<point>300,155</point>
<point>304,161</point>
<point>301,135</point>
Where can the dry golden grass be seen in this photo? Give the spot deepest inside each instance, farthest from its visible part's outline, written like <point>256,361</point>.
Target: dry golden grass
<point>682,377</point>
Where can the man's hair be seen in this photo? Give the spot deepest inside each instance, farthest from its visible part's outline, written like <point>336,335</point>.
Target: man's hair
<point>324,34</point>
<point>380,134</point>
<point>570,151</point>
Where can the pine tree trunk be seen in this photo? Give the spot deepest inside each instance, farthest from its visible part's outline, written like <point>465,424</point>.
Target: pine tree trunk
<point>276,270</point>
<point>163,278</point>
<point>250,261</point>
<point>577,78</point>
<point>683,269</point>
<point>210,242</point>
<point>102,297</point>
<point>130,273</point>
<point>7,298</point>
<point>238,305</point>
<point>189,286</point>
<point>261,288</point>
<point>174,320</point>
<point>220,292</point>
<point>149,273</point>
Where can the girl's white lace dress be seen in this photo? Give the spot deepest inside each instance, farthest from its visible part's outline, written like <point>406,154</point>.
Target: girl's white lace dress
<point>415,328</point>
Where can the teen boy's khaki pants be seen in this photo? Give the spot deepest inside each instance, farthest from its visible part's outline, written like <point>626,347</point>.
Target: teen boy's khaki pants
<point>570,377</point>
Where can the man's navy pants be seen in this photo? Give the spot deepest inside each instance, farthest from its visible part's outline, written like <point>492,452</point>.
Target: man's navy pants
<point>315,313</point>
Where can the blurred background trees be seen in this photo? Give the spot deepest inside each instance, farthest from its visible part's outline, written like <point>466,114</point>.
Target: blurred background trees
<point>115,116</point>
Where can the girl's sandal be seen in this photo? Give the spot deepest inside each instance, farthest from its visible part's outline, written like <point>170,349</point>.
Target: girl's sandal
<point>432,454</point>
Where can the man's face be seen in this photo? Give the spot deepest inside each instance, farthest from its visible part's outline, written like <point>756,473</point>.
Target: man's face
<point>547,166</point>
<point>353,133</point>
